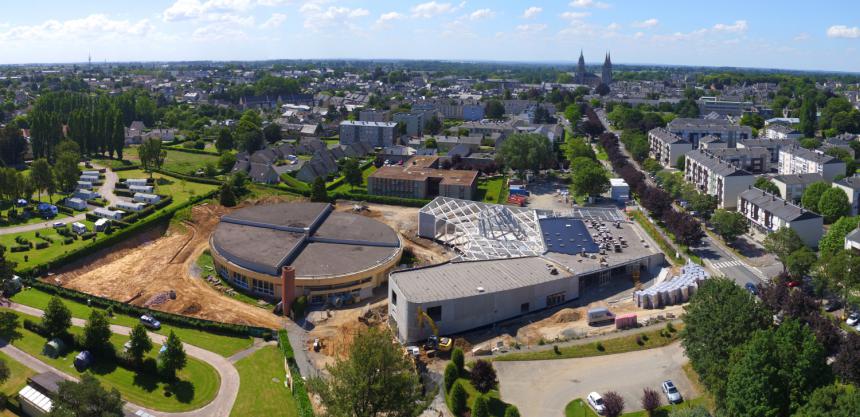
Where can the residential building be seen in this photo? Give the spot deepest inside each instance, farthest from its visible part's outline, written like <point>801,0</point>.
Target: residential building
<point>851,186</point>
<point>420,178</point>
<point>667,147</point>
<point>792,186</point>
<point>695,129</point>
<point>772,145</point>
<point>781,131</point>
<point>712,142</point>
<point>796,160</point>
<point>754,160</point>
<point>712,176</point>
<point>414,122</point>
<point>722,107</point>
<point>768,213</point>
<point>373,115</point>
<point>852,241</point>
<point>376,134</point>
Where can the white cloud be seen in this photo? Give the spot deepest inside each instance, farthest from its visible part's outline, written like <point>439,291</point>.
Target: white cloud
<point>217,32</point>
<point>613,27</point>
<point>737,27</point>
<point>92,26</point>
<point>386,19</point>
<point>531,27</point>
<point>588,3</point>
<point>575,15</point>
<point>277,19</point>
<point>647,23</point>
<point>531,12</point>
<point>431,9</point>
<point>802,36</point>
<point>481,14</point>
<point>842,31</point>
<point>316,17</point>
<point>192,9</point>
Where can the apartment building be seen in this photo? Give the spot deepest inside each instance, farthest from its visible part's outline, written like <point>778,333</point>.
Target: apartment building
<point>722,107</point>
<point>754,160</point>
<point>695,129</point>
<point>414,122</point>
<point>666,147</point>
<point>376,134</point>
<point>772,145</point>
<point>781,132</point>
<point>420,178</point>
<point>851,186</point>
<point>768,213</point>
<point>713,176</point>
<point>796,160</point>
<point>792,186</point>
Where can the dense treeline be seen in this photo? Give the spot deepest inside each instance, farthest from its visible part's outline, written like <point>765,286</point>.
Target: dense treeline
<point>267,85</point>
<point>95,123</point>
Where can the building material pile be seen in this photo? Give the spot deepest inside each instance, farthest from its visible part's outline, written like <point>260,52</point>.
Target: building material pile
<point>676,290</point>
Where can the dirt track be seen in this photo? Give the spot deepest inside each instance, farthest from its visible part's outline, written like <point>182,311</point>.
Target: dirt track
<point>136,274</point>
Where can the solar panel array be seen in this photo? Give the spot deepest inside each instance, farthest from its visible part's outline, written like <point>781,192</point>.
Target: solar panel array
<point>568,236</point>
<point>676,290</point>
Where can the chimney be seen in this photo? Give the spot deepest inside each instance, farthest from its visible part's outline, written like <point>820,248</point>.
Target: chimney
<point>288,288</point>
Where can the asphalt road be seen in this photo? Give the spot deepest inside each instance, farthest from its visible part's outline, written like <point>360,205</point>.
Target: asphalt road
<point>722,262</point>
<point>543,388</point>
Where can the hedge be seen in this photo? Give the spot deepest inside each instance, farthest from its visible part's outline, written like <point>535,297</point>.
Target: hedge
<point>126,168</point>
<point>336,183</point>
<point>202,180</point>
<point>381,199</point>
<point>42,245</point>
<point>191,150</point>
<point>300,392</point>
<point>65,210</point>
<point>123,192</point>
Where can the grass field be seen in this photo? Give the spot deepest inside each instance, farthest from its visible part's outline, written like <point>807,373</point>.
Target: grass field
<point>181,190</point>
<point>649,340</point>
<point>5,222</point>
<point>18,375</point>
<point>293,182</point>
<point>197,384</point>
<point>655,235</point>
<point>220,344</point>
<point>579,408</point>
<point>262,378</point>
<point>176,161</point>
<point>492,191</point>
<point>346,188</point>
<point>41,256</point>
<point>207,267</point>
<point>497,406</point>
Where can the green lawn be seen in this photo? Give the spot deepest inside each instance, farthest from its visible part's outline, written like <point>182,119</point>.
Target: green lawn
<point>601,154</point>
<point>579,408</point>
<point>41,256</point>
<point>492,191</point>
<point>220,344</point>
<point>262,377</point>
<point>295,183</point>
<point>655,235</point>
<point>5,222</point>
<point>497,406</point>
<point>346,188</point>
<point>207,267</point>
<point>197,384</point>
<point>649,340</point>
<point>181,190</point>
<point>116,163</point>
<point>176,161</point>
<point>18,375</point>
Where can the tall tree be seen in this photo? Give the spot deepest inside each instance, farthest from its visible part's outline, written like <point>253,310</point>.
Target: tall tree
<point>12,146</point>
<point>847,362</point>
<point>86,398</point>
<point>729,224</point>
<point>841,273</point>
<point>494,110</point>
<point>775,371</point>
<point>272,132</point>
<point>833,205</point>
<point>782,243</point>
<point>318,191</point>
<point>173,359</point>
<point>352,173</point>
<point>765,184</point>
<point>590,181</point>
<point>66,172</point>
<point>140,344</point>
<point>42,177</point>
<point>835,400</point>
<point>812,195</point>
<point>57,318</point>
<point>224,142</point>
<point>808,114</point>
<point>117,134</point>
<point>374,380</point>
<point>720,317</point>
<point>97,332</point>
<point>529,151</point>
<point>800,262</point>
<point>483,376</point>
<point>151,155</point>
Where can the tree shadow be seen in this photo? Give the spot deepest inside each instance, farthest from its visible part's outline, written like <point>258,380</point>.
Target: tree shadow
<point>145,381</point>
<point>183,390</point>
<point>103,367</point>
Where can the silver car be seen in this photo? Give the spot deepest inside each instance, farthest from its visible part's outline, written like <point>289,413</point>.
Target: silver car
<point>672,393</point>
<point>596,402</point>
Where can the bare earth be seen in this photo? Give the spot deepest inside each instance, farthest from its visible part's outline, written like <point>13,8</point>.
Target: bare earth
<point>146,272</point>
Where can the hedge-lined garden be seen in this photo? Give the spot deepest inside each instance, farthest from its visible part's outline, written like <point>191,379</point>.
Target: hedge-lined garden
<point>300,391</point>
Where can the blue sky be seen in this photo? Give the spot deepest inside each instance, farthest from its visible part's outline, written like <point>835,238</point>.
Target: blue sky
<point>793,34</point>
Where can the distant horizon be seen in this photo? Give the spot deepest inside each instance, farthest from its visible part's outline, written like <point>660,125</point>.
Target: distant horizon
<point>458,61</point>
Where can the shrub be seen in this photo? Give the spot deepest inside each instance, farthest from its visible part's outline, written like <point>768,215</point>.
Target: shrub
<point>458,399</point>
<point>670,327</point>
<point>68,241</point>
<point>42,245</point>
<point>458,360</point>
<point>19,248</point>
<point>450,376</point>
<point>650,401</point>
<point>512,411</point>
<point>483,376</point>
<point>639,341</point>
<point>300,393</point>
<point>614,404</point>
<point>299,306</point>
<point>600,347</point>
<point>480,407</point>
<point>88,236</point>
<point>556,350</point>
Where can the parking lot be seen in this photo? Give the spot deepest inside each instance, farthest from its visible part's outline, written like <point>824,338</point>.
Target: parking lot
<point>543,388</point>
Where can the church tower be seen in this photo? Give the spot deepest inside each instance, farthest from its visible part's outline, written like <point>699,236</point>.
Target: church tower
<point>580,69</point>
<point>606,76</point>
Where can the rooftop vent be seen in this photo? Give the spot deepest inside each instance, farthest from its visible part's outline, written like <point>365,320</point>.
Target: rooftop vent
<point>480,289</point>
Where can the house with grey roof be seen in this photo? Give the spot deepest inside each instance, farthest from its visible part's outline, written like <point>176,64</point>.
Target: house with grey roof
<point>852,241</point>
<point>694,129</point>
<point>768,213</point>
<point>754,160</point>
<point>715,177</point>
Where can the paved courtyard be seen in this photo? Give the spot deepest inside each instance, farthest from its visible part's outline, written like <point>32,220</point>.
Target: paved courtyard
<point>543,388</point>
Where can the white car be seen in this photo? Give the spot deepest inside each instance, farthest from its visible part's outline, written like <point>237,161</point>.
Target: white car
<point>853,319</point>
<point>596,402</point>
<point>672,393</point>
<point>59,225</point>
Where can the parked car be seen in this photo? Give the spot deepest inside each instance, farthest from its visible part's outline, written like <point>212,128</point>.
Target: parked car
<point>150,322</point>
<point>672,393</point>
<point>596,402</point>
<point>853,319</point>
<point>751,288</point>
<point>832,305</point>
<point>793,283</point>
<point>59,225</point>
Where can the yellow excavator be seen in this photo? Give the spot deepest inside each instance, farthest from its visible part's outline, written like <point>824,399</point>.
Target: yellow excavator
<point>434,342</point>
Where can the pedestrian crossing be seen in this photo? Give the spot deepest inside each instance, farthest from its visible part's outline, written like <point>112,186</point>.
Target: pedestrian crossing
<point>726,264</point>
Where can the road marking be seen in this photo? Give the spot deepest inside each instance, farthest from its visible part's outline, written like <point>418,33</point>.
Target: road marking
<point>726,264</point>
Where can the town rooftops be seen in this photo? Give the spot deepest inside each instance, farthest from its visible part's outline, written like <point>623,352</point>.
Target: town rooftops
<point>793,179</point>
<point>417,173</point>
<point>684,122</point>
<point>716,164</point>
<point>850,182</point>
<point>711,139</point>
<point>809,155</point>
<point>776,205</point>
<point>367,124</point>
<point>666,136</point>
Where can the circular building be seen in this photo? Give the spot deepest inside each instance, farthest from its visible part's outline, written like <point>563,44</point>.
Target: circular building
<point>335,256</point>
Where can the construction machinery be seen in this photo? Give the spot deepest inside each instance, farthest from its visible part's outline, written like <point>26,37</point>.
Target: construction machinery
<point>434,342</point>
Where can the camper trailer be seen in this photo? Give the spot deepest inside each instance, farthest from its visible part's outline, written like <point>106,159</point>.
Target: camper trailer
<point>79,228</point>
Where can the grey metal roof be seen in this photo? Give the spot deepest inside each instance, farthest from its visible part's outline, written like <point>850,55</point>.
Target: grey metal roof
<point>854,236</point>
<point>666,136</point>
<point>462,279</point>
<point>776,206</point>
<point>715,164</point>
<point>793,179</point>
<point>810,155</point>
<point>850,182</point>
